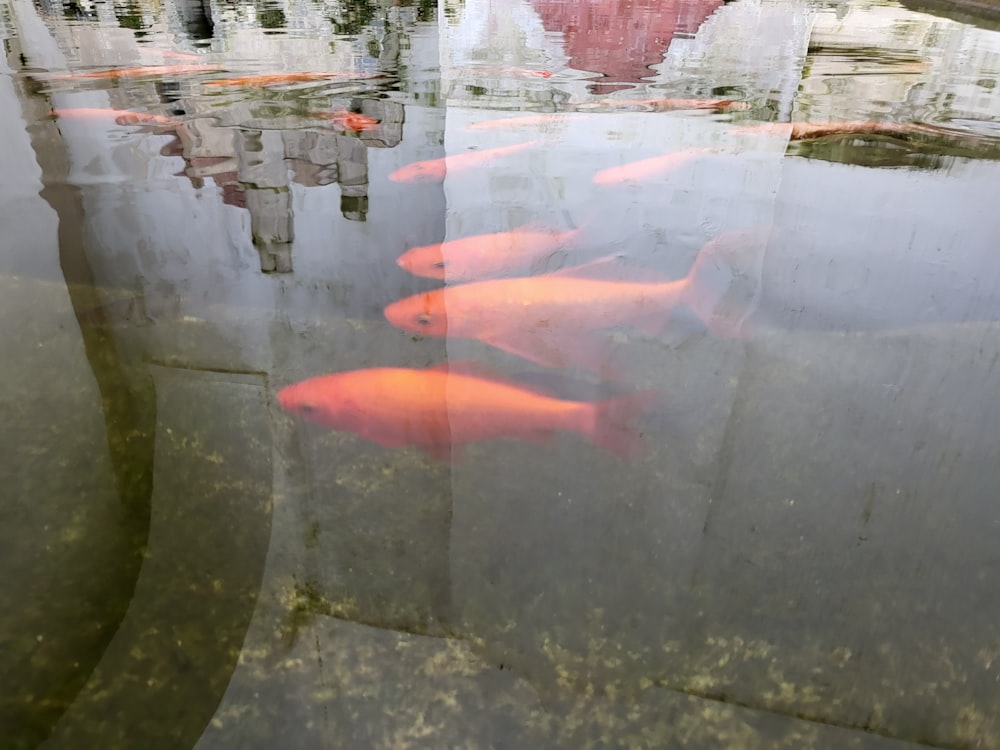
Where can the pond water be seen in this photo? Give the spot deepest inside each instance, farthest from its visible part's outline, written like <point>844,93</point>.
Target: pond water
<point>664,340</point>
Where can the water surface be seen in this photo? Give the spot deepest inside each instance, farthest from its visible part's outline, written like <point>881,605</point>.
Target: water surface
<point>802,554</point>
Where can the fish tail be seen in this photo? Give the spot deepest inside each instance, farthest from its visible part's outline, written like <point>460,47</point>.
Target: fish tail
<point>724,282</point>
<point>615,424</point>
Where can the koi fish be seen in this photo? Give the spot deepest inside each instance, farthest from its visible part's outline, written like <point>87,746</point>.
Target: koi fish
<point>434,170</point>
<point>152,70</point>
<point>526,72</point>
<point>354,121</point>
<point>801,131</point>
<point>507,123</point>
<point>446,407</point>
<point>120,116</point>
<point>547,319</point>
<point>485,255</point>
<point>666,105</point>
<point>277,79</point>
<point>508,71</point>
<point>645,169</point>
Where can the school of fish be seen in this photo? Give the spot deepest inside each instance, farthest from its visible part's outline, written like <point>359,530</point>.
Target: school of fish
<point>553,319</point>
<point>501,288</point>
<point>499,291</point>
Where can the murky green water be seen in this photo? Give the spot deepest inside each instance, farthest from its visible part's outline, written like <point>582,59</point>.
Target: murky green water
<point>202,203</point>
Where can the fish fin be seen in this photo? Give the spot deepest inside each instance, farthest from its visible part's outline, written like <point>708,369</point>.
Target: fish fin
<point>725,279</point>
<point>612,267</point>
<point>616,424</point>
<point>590,352</point>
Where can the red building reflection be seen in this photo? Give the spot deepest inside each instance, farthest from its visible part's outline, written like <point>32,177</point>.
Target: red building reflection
<point>621,38</point>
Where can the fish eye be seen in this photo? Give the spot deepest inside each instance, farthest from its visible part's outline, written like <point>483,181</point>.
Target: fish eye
<point>424,319</point>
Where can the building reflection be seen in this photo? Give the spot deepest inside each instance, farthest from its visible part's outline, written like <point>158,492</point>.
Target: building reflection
<point>256,167</point>
<point>621,39</point>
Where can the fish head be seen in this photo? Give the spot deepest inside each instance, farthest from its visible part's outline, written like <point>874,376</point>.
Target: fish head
<point>422,313</point>
<point>427,261</point>
<point>319,400</point>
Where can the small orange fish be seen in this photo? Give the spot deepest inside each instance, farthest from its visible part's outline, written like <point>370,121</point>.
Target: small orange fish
<point>277,79</point>
<point>666,105</point>
<point>354,121</point>
<point>434,170</point>
<point>535,73</point>
<point>152,70</point>
<point>801,131</point>
<point>524,121</point>
<point>547,319</point>
<point>645,169</point>
<point>120,116</point>
<point>444,408</point>
<point>485,255</point>
<point>496,71</point>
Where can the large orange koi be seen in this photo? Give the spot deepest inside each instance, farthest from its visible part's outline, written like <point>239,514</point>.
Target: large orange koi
<point>521,121</point>
<point>645,169</point>
<point>485,255</point>
<point>278,79</point>
<point>801,131</point>
<point>449,406</point>
<point>549,318</point>
<point>434,170</point>
<point>140,72</point>
<point>499,71</point>
<point>667,105</point>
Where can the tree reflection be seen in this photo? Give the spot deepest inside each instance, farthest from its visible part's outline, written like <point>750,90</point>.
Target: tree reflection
<point>354,17</point>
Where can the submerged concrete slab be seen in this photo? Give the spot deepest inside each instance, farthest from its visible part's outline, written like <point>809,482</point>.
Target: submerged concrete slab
<point>331,683</point>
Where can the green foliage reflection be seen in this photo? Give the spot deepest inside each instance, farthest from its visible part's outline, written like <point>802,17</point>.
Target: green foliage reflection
<point>271,17</point>
<point>354,16</point>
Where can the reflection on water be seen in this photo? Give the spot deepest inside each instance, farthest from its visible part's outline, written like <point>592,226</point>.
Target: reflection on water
<point>528,374</point>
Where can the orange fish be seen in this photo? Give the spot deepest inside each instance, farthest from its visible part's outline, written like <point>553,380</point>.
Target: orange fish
<point>354,121</point>
<point>645,169</point>
<point>120,116</point>
<point>666,105</point>
<point>152,70</point>
<point>495,71</point>
<point>277,79</point>
<point>508,123</point>
<point>434,170</point>
<point>535,73</point>
<point>548,318</point>
<point>485,255</point>
<point>444,408</point>
<point>801,131</point>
